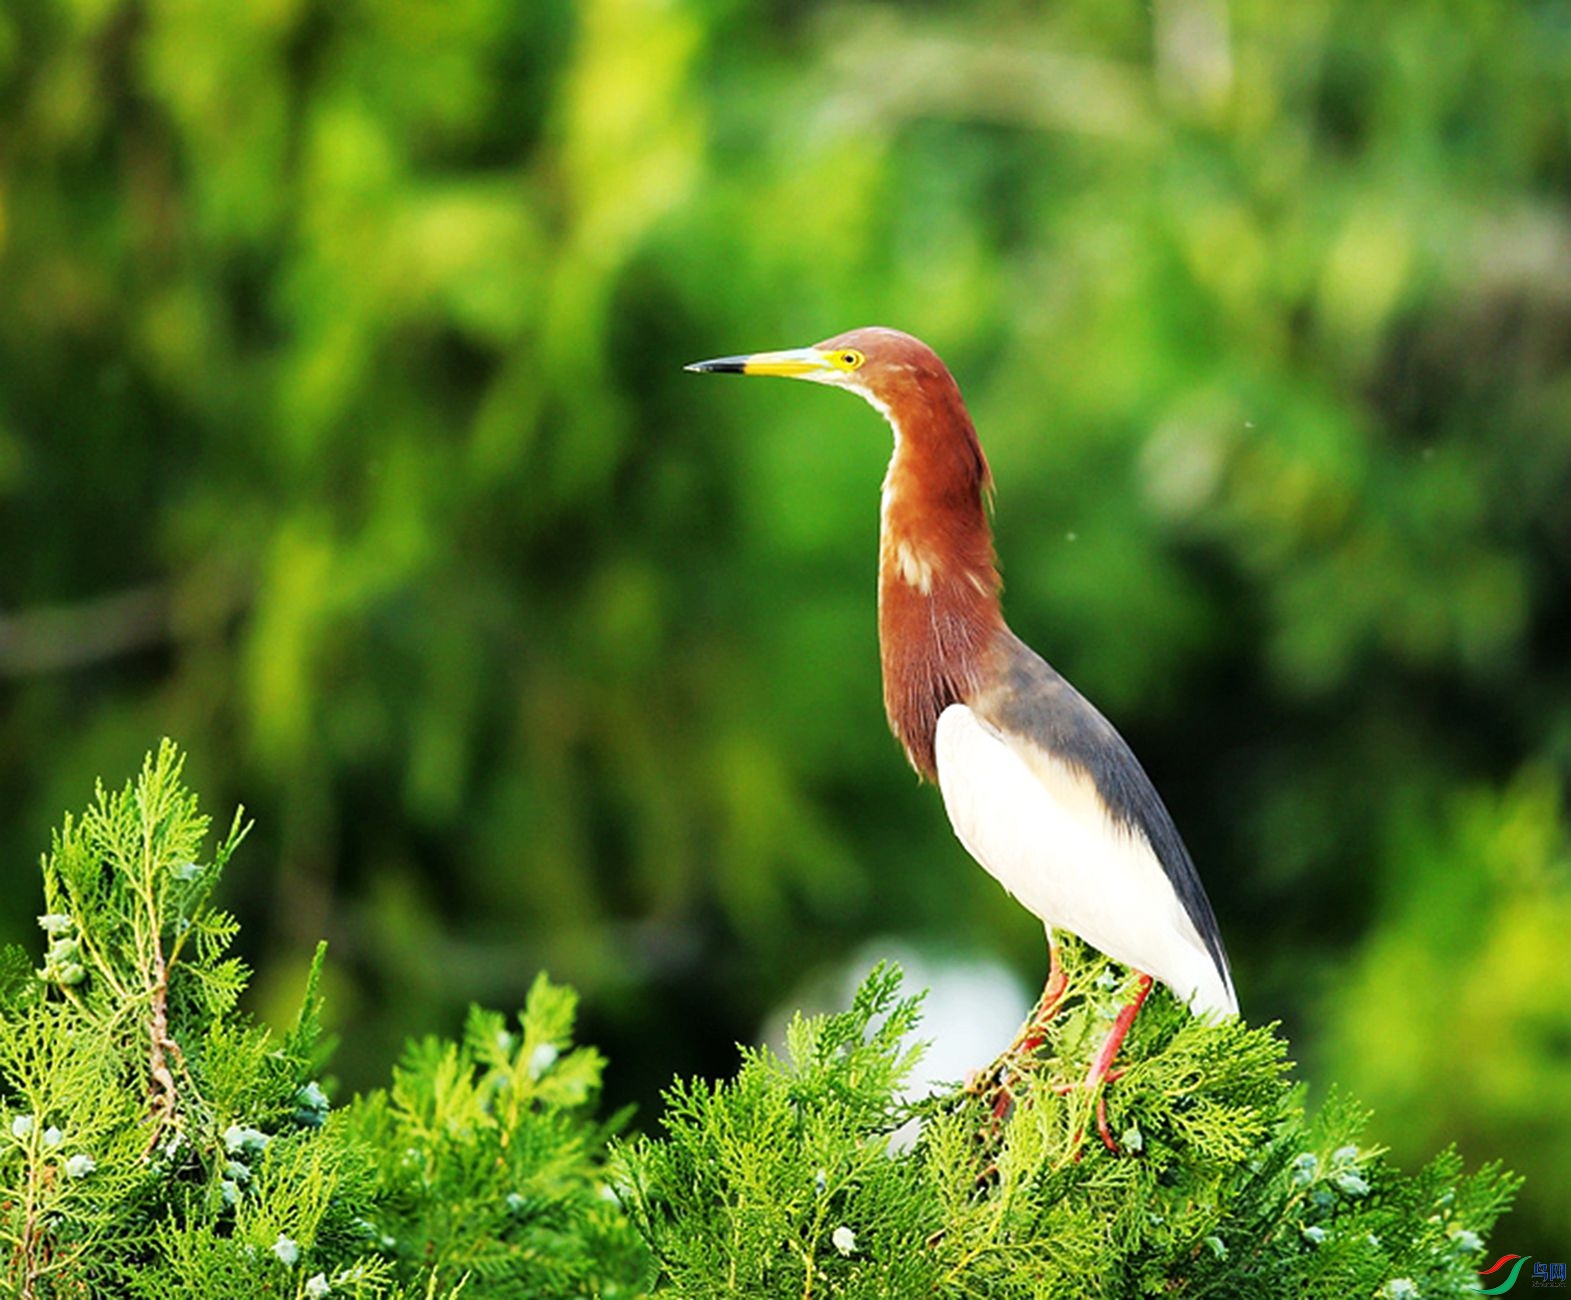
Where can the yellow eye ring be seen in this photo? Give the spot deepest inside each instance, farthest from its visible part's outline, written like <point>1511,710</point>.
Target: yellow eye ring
<point>849,359</point>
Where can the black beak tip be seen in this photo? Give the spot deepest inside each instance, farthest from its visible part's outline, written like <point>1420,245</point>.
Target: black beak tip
<point>719,366</point>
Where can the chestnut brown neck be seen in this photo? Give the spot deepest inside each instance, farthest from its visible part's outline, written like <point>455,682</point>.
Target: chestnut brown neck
<point>938,611</point>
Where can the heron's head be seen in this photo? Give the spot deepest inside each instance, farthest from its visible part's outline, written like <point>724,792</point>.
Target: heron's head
<point>880,364</point>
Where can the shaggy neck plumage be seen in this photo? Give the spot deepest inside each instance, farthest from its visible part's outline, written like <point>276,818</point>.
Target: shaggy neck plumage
<point>938,611</point>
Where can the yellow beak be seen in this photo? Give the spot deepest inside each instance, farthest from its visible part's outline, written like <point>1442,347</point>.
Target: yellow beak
<point>796,363</point>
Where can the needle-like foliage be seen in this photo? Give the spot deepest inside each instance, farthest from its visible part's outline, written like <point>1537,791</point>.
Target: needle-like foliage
<point>157,1144</point>
<point>487,1159</point>
<point>784,1181</point>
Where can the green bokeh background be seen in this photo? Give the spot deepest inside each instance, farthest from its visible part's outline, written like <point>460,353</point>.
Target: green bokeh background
<point>344,437</point>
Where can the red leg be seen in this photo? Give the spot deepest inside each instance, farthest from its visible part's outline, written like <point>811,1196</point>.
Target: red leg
<point>1102,1130</point>
<point>1003,1101</point>
<point>1034,1032</point>
<point>1101,1068</point>
<point>1064,1089</point>
<point>1000,1075</point>
<point>1116,1035</point>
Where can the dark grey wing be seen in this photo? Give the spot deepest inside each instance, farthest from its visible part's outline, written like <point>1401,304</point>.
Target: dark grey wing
<point>1033,700</point>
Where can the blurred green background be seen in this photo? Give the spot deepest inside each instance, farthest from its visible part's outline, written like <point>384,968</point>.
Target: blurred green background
<point>344,438</point>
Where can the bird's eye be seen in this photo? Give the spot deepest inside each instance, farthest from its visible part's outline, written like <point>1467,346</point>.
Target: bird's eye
<point>850,359</point>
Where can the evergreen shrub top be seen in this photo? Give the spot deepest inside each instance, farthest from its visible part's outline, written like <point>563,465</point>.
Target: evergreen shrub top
<point>156,1142</point>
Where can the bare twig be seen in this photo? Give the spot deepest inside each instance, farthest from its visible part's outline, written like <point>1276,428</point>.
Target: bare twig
<point>53,637</point>
<point>78,634</point>
<point>163,1099</point>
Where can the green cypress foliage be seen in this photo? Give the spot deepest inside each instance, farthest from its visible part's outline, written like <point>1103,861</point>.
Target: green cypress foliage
<point>487,1162</point>
<point>155,1142</point>
<point>786,1181</point>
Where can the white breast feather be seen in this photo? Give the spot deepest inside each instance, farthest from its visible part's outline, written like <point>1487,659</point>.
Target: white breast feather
<point>1038,828</point>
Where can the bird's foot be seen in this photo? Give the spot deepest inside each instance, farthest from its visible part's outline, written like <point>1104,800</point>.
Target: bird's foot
<point>1103,1129</point>
<point>996,1082</point>
<point>997,1088</point>
<point>994,1086</point>
<point>1064,1089</point>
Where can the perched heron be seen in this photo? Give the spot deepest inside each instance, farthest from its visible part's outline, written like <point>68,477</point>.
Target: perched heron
<point>1039,787</point>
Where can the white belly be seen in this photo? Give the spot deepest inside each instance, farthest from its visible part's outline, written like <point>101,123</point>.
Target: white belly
<point>1039,828</point>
